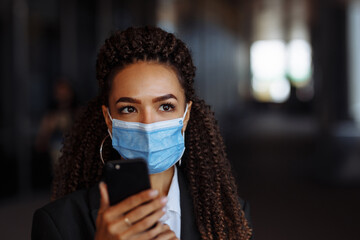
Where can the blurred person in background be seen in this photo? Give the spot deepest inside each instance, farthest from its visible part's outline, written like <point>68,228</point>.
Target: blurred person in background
<point>146,78</point>
<point>57,121</point>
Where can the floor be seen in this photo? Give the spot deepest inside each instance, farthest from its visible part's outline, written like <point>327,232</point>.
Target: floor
<point>306,212</point>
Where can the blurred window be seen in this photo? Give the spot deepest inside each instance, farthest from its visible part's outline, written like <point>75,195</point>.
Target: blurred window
<point>275,66</point>
<point>299,62</point>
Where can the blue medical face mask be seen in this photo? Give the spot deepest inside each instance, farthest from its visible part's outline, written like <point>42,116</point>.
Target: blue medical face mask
<point>160,144</point>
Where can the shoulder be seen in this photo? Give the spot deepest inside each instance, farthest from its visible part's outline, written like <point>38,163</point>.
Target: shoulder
<point>77,199</point>
<point>70,214</point>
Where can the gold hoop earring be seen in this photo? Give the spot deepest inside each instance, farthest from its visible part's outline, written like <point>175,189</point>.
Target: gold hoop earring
<point>101,148</point>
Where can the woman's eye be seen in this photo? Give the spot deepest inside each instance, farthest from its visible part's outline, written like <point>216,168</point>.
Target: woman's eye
<point>127,109</point>
<point>167,107</point>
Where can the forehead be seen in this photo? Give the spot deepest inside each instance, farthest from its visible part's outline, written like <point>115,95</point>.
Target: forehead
<point>145,79</point>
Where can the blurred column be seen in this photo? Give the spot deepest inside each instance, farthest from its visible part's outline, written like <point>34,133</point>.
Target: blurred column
<point>268,20</point>
<point>299,50</point>
<point>6,119</point>
<point>298,16</point>
<point>68,39</point>
<point>21,73</point>
<point>354,59</point>
<point>166,15</point>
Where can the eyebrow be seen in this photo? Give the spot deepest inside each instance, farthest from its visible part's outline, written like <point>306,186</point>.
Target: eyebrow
<point>157,99</point>
<point>128,99</point>
<point>163,98</point>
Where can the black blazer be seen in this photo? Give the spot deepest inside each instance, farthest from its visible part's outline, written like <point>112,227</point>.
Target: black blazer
<point>74,216</point>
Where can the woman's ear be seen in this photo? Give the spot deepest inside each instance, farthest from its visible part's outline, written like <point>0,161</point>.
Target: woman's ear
<point>107,117</point>
<point>187,116</point>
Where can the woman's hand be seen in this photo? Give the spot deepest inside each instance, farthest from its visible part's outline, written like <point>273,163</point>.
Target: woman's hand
<point>132,218</point>
<point>166,234</point>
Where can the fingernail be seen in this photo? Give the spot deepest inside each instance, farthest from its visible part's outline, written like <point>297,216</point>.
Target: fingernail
<point>164,200</point>
<point>154,193</point>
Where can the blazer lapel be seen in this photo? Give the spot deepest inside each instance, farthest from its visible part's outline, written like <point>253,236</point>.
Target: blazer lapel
<point>189,229</point>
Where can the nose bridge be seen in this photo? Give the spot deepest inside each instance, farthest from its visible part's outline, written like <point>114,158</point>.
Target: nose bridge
<point>147,116</point>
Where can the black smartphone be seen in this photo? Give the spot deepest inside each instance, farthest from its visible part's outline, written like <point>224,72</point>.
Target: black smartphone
<point>125,178</point>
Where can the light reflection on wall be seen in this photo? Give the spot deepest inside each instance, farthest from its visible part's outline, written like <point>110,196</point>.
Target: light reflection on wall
<point>275,66</point>
<point>166,15</point>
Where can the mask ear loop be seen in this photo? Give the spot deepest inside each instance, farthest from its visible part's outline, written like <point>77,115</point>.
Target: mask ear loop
<point>186,109</point>
<point>101,148</point>
<point>103,141</point>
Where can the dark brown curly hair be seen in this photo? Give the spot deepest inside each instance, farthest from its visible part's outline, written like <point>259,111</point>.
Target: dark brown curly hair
<point>204,163</point>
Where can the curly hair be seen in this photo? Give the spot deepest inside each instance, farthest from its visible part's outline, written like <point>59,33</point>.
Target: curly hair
<point>204,163</point>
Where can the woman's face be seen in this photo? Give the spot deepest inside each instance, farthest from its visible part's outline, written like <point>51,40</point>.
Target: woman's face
<point>146,92</point>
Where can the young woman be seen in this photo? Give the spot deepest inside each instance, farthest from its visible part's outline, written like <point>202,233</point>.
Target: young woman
<point>146,80</point>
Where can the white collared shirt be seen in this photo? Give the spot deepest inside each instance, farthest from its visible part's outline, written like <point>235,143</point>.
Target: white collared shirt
<point>172,216</point>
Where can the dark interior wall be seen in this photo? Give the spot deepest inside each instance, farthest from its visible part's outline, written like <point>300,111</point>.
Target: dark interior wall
<point>6,121</point>
<point>329,38</point>
<point>288,158</point>
<point>42,41</point>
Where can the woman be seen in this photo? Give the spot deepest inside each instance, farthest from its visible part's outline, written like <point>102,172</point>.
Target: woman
<point>145,78</point>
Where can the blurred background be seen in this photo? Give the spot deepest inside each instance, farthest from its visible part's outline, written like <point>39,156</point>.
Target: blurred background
<point>283,77</point>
